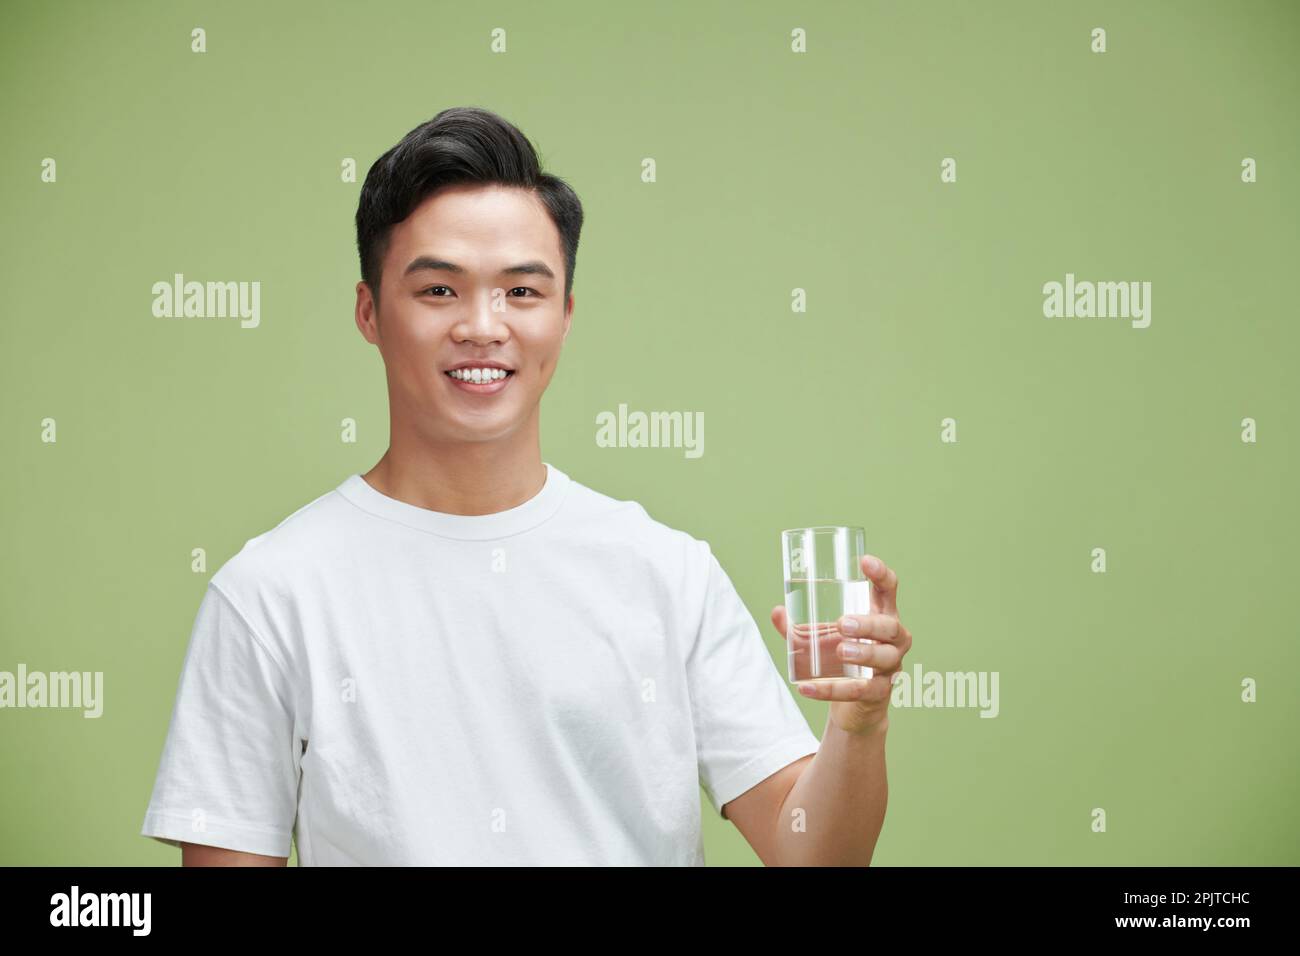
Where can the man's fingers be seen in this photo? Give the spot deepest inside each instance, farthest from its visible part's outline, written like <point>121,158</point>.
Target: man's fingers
<point>884,584</point>
<point>779,620</point>
<point>875,689</point>
<point>879,657</point>
<point>878,627</point>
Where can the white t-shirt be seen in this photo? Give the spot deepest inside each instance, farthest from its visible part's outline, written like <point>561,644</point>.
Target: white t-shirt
<point>390,685</point>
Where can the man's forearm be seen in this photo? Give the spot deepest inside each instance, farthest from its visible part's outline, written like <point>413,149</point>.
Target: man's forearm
<point>833,814</point>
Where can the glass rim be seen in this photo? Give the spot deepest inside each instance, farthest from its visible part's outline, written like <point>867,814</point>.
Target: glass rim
<point>825,527</point>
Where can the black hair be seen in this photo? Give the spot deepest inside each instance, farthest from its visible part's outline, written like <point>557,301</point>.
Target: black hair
<point>461,145</point>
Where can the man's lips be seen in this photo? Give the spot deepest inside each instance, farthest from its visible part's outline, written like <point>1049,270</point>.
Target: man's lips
<point>490,387</point>
<point>481,364</point>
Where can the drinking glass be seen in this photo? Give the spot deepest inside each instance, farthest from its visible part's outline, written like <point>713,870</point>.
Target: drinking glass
<point>823,580</point>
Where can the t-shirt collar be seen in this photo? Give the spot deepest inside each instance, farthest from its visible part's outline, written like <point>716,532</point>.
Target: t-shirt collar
<point>514,520</point>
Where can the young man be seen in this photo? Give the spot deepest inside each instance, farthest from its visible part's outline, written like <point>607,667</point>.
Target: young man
<point>467,657</point>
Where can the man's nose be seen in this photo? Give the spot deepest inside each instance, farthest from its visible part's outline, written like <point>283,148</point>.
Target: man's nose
<point>485,323</point>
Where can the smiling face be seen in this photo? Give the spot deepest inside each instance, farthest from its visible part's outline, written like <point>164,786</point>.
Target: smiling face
<point>475,273</point>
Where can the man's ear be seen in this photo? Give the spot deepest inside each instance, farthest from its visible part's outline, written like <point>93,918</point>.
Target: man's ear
<point>568,318</point>
<point>367,316</point>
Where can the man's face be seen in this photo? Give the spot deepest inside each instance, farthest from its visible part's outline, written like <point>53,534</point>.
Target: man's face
<point>473,274</point>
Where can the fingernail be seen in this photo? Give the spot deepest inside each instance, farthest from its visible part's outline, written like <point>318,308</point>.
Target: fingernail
<point>852,651</point>
<point>848,625</point>
<point>873,564</point>
<point>806,690</point>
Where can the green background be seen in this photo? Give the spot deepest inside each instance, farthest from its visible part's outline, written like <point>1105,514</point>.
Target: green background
<point>776,171</point>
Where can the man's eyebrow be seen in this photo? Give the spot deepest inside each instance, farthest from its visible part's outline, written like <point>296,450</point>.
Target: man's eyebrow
<point>432,264</point>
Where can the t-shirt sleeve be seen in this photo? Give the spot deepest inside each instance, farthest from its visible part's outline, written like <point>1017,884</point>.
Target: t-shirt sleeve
<point>747,724</point>
<point>230,764</point>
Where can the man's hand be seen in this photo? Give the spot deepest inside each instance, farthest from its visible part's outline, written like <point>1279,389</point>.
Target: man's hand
<point>862,706</point>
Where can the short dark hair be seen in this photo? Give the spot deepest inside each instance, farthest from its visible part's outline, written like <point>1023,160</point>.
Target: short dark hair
<point>461,145</point>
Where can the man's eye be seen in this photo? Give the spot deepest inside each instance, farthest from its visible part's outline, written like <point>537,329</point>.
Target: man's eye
<point>518,288</point>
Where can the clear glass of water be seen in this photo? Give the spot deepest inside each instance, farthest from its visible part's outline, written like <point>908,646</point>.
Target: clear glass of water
<point>823,580</point>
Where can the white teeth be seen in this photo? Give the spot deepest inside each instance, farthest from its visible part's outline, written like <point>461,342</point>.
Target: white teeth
<point>478,375</point>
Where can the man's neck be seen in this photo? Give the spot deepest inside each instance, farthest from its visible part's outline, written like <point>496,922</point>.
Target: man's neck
<point>477,479</point>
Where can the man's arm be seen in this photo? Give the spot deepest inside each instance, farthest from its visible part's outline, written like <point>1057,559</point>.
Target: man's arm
<point>756,812</point>
<point>197,854</point>
<point>841,792</point>
<point>233,743</point>
<point>831,813</point>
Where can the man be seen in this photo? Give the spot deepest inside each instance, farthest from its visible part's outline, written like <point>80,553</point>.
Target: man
<point>467,657</point>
